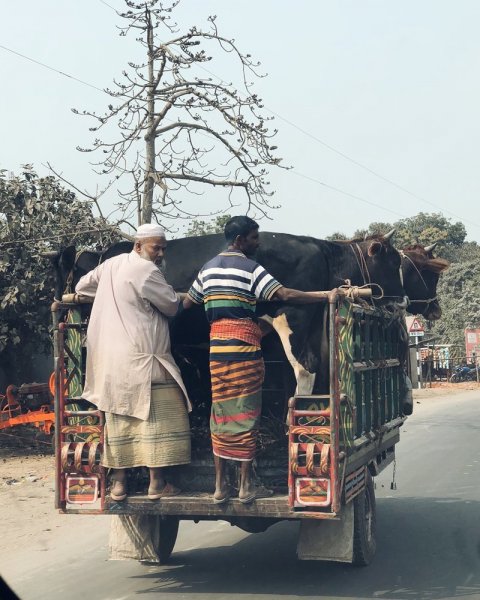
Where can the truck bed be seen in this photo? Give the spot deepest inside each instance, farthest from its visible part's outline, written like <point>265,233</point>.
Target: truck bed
<point>193,505</point>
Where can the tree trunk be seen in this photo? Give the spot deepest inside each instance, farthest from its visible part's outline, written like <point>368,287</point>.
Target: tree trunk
<point>150,135</point>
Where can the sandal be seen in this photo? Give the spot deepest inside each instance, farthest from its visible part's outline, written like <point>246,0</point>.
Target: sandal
<point>221,498</point>
<point>118,491</point>
<point>258,492</point>
<point>247,499</point>
<point>167,490</point>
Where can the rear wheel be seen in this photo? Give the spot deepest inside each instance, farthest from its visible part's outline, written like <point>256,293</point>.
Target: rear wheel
<point>365,525</point>
<point>167,537</point>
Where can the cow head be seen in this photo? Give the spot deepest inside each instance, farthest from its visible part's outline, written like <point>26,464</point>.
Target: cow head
<point>379,262</point>
<point>63,263</point>
<point>71,266</point>
<point>421,271</point>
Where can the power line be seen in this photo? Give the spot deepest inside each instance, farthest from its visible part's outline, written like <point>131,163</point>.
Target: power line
<point>55,236</point>
<point>349,158</point>
<point>362,166</point>
<point>109,5</point>
<point>342,154</point>
<point>340,191</point>
<point>52,69</point>
<point>333,188</point>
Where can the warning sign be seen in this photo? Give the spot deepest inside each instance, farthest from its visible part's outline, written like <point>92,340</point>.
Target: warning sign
<point>414,326</point>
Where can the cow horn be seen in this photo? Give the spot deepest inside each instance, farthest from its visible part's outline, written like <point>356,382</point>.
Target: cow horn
<point>388,235</point>
<point>431,247</point>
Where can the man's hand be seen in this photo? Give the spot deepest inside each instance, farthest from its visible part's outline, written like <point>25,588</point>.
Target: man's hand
<point>187,302</point>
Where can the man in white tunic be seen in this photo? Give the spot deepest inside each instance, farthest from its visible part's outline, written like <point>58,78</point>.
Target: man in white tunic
<point>130,372</point>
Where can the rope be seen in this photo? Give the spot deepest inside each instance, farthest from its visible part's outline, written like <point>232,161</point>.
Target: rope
<point>362,263</point>
<point>427,300</point>
<point>69,280</point>
<point>352,290</point>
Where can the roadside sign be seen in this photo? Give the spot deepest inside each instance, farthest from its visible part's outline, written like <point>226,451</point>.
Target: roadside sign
<point>472,342</point>
<point>415,327</point>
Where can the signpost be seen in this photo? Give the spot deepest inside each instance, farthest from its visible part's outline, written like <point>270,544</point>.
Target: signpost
<point>416,331</point>
<point>472,346</point>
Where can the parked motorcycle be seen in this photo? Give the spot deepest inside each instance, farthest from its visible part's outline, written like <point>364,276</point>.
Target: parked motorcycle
<point>463,373</point>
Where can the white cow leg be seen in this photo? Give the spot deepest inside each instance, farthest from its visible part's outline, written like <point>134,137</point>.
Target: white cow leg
<point>305,379</point>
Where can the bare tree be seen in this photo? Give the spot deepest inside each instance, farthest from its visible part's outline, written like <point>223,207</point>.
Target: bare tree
<point>178,130</point>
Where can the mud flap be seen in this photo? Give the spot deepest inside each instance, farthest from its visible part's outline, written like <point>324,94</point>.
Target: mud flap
<point>327,540</point>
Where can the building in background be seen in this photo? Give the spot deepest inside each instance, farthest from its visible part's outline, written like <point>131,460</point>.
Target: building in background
<point>472,344</point>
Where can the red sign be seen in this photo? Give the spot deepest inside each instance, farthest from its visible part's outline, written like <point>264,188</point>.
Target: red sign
<point>472,342</point>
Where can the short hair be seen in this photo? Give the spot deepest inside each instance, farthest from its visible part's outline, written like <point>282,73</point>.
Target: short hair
<point>240,225</point>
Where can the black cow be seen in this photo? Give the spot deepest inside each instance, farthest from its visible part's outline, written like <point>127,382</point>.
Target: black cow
<point>421,271</point>
<point>300,262</point>
<point>297,262</point>
<point>70,266</point>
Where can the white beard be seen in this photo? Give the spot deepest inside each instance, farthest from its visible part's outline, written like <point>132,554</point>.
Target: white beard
<point>159,263</point>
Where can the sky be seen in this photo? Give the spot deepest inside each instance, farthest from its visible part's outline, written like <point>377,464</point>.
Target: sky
<point>376,102</point>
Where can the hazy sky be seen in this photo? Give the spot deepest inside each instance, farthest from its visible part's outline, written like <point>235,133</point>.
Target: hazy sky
<point>392,85</point>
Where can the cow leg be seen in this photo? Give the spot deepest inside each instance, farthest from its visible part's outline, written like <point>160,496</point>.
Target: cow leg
<point>305,379</point>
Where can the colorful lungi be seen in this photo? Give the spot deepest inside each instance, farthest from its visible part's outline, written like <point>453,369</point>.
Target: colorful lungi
<point>237,372</point>
<point>162,440</point>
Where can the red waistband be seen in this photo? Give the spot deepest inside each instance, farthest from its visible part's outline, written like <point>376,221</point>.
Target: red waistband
<point>241,329</point>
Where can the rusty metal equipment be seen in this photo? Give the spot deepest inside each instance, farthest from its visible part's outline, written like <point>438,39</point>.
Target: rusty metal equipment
<point>29,404</point>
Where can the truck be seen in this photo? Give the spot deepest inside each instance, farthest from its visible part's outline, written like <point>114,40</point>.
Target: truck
<point>318,453</point>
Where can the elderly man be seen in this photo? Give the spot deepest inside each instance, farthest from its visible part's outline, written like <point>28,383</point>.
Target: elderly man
<point>130,373</point>
<point>229,286</point>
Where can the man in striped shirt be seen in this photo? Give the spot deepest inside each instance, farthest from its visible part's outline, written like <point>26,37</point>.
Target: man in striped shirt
<point>229,286</point>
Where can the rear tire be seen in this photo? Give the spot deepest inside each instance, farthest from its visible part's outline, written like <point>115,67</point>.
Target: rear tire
<point>365,525</point>
<point>168,537</point>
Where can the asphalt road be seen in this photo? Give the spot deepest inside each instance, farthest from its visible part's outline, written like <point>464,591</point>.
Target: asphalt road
<point>428,538</point>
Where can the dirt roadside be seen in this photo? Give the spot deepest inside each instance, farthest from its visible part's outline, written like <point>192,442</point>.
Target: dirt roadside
<point>27,488</point>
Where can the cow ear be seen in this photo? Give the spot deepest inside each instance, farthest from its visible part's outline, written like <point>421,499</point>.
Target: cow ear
<point>437,265</point>
<point>68,257</point>
<point>374,248</point>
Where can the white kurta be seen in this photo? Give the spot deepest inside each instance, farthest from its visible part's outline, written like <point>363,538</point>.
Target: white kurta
<point>128,340</point>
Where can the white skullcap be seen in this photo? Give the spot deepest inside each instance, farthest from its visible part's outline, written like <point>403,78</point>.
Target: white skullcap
<point>149,230</point>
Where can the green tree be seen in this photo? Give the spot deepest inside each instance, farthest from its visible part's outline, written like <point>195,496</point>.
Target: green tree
<point>172,129</point>
<point>337,235</point>
<point>459,295</point>
<point>423,228</point>
<point>373,228</point>
<point>36,215</point>
<point>198,227</point>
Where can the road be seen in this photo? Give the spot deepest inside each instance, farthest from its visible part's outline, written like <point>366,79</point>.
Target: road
<point>428,538</point>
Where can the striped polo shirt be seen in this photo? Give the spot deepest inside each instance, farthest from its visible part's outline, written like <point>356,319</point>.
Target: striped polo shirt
<point>229,286</point>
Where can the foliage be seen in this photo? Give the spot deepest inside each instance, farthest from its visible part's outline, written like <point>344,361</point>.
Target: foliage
<point>336,236</point>
<point>36,215</point>
<point>198,227</point>
<point>459,293</point>
<point>178,130</point>
<point>423,228</point>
